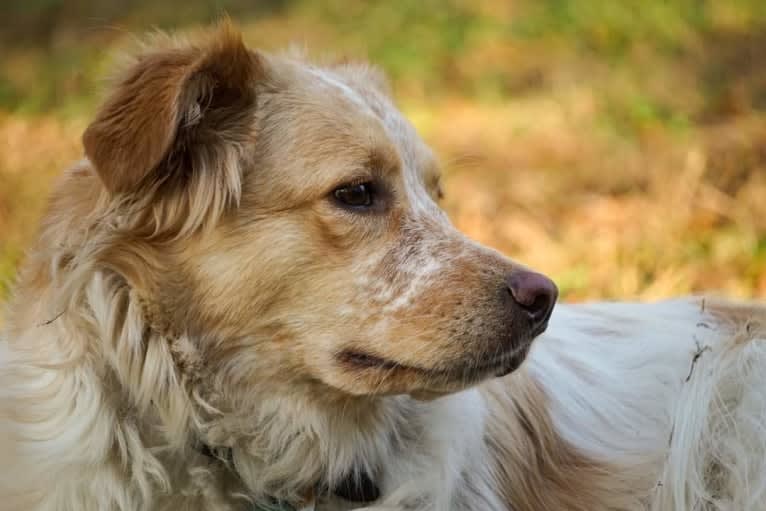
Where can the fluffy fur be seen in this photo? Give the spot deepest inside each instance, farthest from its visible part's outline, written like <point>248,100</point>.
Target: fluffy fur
<point>194,284</point>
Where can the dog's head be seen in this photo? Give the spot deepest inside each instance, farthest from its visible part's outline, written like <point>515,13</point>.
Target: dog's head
<point>288,221</point>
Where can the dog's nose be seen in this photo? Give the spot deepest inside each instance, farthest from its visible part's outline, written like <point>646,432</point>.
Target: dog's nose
<point>536,294</point>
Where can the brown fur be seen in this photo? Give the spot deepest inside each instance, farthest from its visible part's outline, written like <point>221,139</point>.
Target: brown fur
<point>168,101</point>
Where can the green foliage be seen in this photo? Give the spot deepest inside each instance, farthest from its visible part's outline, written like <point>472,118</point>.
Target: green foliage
<point>57,46</point>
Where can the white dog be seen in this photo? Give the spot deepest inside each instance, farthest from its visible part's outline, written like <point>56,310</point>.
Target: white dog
<point>247,295</point>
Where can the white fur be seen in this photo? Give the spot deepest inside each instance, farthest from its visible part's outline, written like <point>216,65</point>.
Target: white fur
<point>668,391</point>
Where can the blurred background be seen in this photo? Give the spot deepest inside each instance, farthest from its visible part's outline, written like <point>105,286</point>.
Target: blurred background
<point>619,146</point>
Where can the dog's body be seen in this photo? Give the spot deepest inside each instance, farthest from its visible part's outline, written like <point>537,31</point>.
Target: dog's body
<point>248,293</point>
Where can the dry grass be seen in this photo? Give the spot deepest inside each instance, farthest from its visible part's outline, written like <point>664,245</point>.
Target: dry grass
<point>33,151</point>
<point>647,221</point>
<point>626,165</point>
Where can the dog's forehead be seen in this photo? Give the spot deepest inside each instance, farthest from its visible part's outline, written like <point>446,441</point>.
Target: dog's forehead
<point>357,87</point>
<point>351,104</point>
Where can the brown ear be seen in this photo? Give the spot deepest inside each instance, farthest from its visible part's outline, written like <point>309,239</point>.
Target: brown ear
<point>172,102</point>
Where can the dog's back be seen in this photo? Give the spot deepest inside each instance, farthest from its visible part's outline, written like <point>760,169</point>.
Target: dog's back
<point>639,407</point>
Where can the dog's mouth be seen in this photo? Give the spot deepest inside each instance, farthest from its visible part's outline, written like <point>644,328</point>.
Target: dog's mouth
<point>469,370</point>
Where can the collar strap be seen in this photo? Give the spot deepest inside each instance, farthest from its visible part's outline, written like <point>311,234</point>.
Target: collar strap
<point>274,507</point>
<point>357,486</point>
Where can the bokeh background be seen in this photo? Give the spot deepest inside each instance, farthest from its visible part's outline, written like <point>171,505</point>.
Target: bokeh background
<point>619,146</point>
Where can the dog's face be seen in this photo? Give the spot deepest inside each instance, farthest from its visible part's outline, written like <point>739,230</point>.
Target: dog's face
<point>301,234</point>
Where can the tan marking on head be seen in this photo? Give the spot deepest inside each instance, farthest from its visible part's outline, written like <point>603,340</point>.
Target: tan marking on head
<point>168,100</point>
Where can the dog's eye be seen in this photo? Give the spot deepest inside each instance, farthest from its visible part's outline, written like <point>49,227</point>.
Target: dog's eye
<point>357,196</point>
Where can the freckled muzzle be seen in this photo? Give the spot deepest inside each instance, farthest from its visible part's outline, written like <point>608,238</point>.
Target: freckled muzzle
<point>476,319</point>
<point>441,313</point>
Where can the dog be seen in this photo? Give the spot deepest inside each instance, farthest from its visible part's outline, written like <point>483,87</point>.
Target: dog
<point>246,296</point>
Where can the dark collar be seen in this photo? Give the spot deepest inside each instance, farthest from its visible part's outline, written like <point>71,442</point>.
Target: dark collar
<point>356,486</point>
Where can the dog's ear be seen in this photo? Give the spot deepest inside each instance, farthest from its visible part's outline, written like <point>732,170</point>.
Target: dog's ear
<point>175,112</point>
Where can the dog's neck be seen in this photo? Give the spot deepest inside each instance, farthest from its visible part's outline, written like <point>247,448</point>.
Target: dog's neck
<point>291,446</point>
<point>358,486</point>
<point>296,442</point>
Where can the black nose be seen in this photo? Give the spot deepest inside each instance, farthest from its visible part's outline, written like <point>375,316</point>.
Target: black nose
<point>536,294</point>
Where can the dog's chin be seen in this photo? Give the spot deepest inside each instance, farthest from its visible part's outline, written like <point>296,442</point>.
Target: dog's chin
<point>469,377</point>
<point>509,364</point>
<point>428,383</point>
